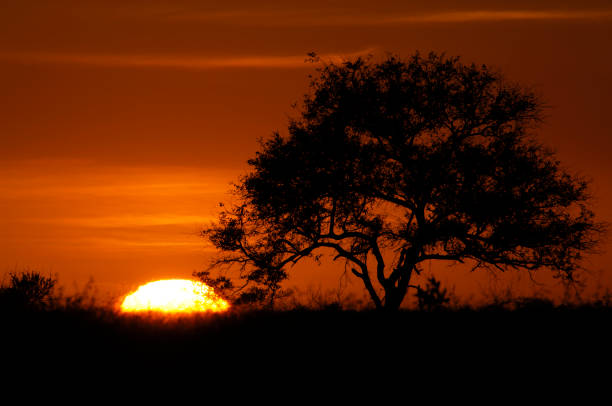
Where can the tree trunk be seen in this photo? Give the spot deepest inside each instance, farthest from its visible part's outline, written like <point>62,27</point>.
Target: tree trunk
<point>394,296</point>
<point>396,292</point>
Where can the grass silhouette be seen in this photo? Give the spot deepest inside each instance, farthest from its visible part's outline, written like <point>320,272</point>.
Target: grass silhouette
<point>78,332</point>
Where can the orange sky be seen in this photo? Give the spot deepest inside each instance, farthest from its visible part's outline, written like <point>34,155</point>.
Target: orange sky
<point>123,122</point>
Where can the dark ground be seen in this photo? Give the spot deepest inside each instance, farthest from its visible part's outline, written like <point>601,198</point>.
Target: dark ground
<point>533,354</point>
<point>320,339</point>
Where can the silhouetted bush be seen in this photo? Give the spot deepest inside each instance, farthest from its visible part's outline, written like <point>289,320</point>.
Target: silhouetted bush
<point>432,297</point>
<point>28,290</point>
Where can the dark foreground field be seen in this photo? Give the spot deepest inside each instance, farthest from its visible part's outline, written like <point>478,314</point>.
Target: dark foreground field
<point>537,336</point>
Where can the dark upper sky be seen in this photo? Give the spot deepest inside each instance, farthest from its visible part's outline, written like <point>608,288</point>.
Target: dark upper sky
<point>122,122</point>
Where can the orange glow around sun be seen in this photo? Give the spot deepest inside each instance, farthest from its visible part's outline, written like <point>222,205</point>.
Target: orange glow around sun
<point>174,296</point>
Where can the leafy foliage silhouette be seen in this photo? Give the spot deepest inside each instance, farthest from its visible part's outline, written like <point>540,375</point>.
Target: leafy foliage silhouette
<point>432,296</point>
<point>394,163</point>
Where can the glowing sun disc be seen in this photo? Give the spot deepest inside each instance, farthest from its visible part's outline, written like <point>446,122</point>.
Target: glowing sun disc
<point>174,296</point>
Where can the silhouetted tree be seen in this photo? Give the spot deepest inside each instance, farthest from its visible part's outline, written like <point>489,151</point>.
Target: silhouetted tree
<point>395,163</point>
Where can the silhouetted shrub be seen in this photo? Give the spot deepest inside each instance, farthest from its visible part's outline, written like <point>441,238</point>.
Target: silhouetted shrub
<point>432,297</point>
<point>28,290</point>
<point>534,304</point>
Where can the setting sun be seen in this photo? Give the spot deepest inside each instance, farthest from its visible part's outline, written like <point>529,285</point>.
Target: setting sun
<point>174,296</point>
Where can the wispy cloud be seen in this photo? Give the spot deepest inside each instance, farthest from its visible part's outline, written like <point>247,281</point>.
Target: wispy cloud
<point>107,209</point>
<point>339,18</point>
<point>506,15</point>
<point>172,61</point>
<point>161,219</point>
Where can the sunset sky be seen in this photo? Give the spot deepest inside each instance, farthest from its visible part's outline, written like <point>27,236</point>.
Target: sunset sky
<point>122,123</point>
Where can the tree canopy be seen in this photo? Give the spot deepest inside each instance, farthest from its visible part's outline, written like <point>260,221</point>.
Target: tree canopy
<point>393,163</point>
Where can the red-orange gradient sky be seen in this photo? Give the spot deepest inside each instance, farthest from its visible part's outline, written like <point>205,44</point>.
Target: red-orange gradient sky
<point>123,122</point>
